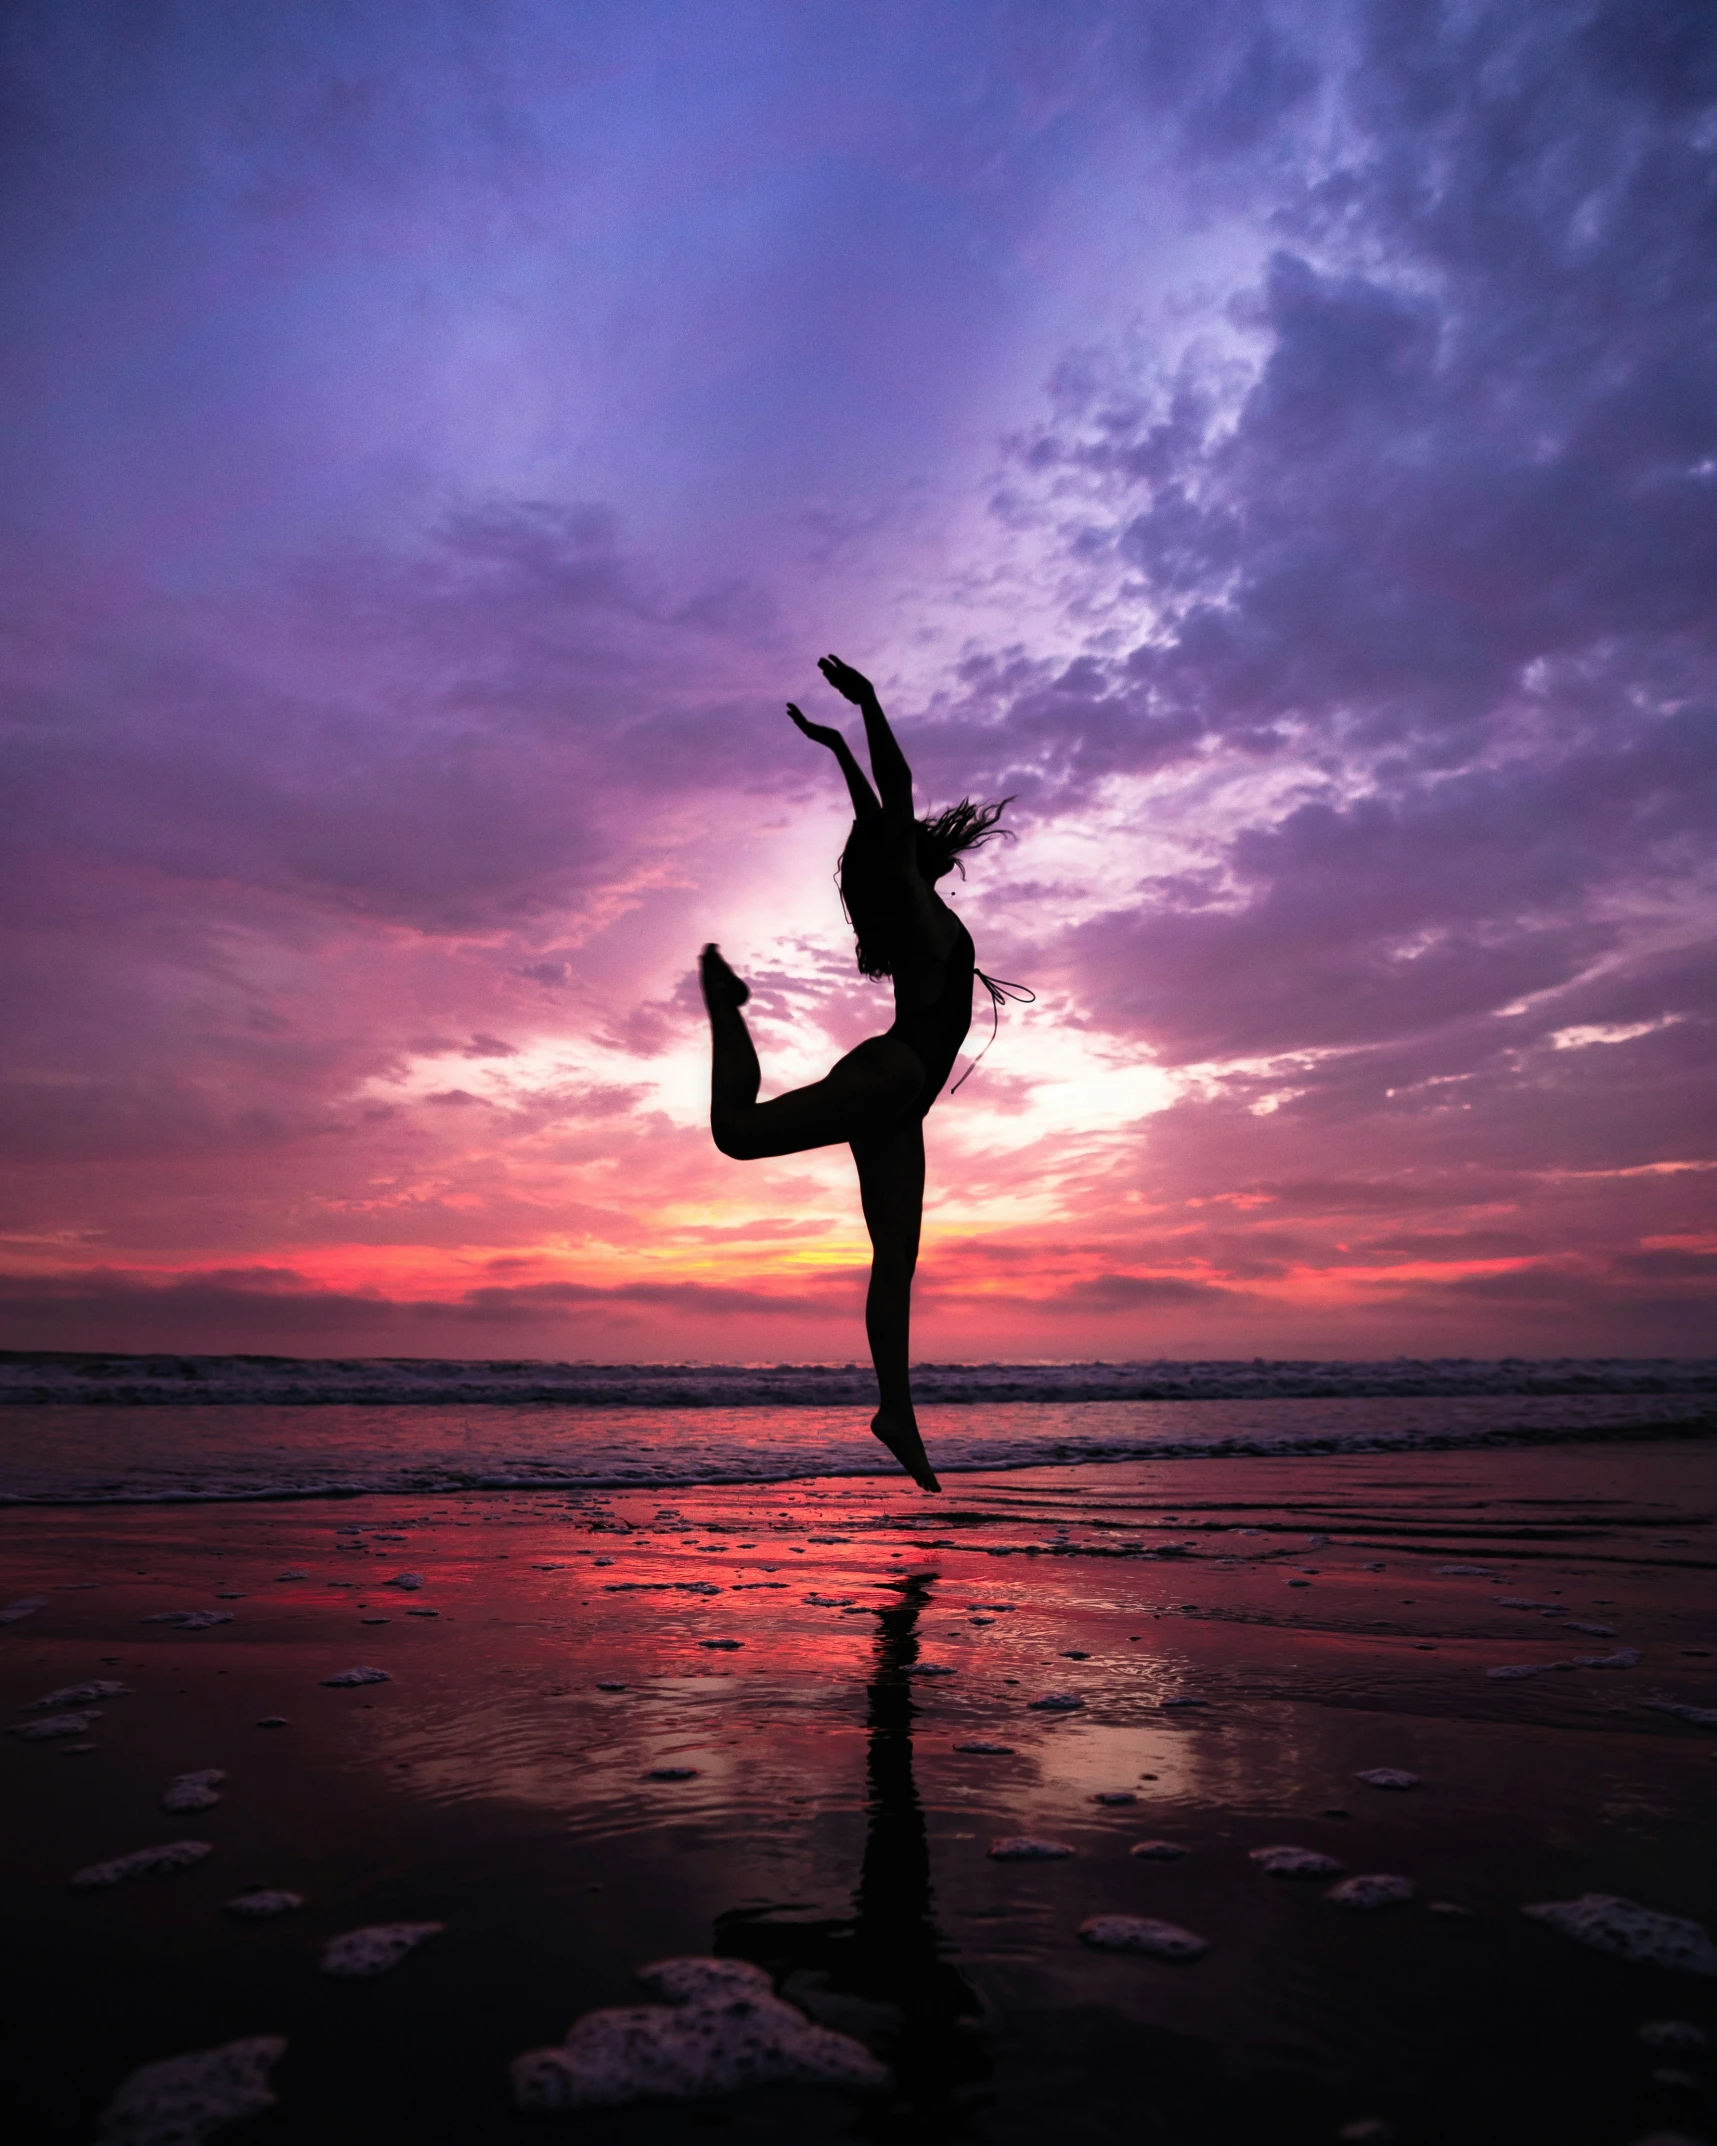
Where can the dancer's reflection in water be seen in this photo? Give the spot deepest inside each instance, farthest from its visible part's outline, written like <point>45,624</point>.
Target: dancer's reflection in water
<point>888,1951</point>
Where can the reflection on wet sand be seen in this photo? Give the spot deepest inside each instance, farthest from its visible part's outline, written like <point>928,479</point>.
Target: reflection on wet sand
<point>882,1972</point>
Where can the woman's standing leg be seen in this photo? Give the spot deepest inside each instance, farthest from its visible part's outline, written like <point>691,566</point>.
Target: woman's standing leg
<point>891,1186</point>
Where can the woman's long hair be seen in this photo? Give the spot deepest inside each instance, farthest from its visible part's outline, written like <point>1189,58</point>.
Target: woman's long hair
<point>872,904</point>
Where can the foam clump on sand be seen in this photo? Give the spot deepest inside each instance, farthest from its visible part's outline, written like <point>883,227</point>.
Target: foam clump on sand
<point>1610,1924</point>
<point>1623,1658</point>
<point>409,1581</point>
<point>1678,2034</point>
<point>1374,1889</point>
<point>180,2101</point>
<point>198,1791</point>
<point>1702,1717</point>
<point>141,1863</point>
<point>1022,1848</point>
<point>1142,1933</point>
<point>722,2029</point>
<point>347,1677</point>
<point>1509,1672</point>
<point>373,1950</point>
<point>191,1620</point>
<point>264,1901</point>
<point>1465,1572</point>
<point>1388,1777</point>
<point>38,1732</point>
<point>698,1979</point>
<point>84,1694</point>
<point>1288,1862</point>
<point>1057,1702</point>
<point>25,1606</point>
<point>1157,1851</point>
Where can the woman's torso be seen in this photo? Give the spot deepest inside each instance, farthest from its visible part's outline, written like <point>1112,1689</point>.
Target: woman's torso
<point>937,1029</point>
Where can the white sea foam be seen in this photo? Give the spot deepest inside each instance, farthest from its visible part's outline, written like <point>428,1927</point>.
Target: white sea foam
<point>199,1791</point>
<point>181,2101</point>
<point>1288,1862</point>
<point>375,1949</point>
<point>1611,1924</point>
<point>263,1903</point>
<point>84,1694</point>
<point>1373,1889</point>
<point>56,1725</point>
<point>1142,1933</point>
<point>721,2030</point>
<point>141,1863</point>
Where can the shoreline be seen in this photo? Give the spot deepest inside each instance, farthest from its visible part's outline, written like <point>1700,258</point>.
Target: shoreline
<point>1693,1431</point>
<point>87,1457</point>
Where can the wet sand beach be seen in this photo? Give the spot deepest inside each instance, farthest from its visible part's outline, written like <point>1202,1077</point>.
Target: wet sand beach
<point>774,1774</point>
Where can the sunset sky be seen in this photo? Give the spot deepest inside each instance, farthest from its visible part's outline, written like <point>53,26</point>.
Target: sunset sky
<point>1278,445</point>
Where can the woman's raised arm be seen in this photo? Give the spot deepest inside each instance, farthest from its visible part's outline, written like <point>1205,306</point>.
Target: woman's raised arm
<point>858,789</point>
<point>887,761</point>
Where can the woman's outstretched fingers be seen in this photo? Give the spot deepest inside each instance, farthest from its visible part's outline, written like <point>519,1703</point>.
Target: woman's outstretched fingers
<point>818,733</point>
<point>850,684</point>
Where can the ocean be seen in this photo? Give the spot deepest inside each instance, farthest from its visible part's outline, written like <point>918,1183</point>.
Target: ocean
<point>118,1429</point>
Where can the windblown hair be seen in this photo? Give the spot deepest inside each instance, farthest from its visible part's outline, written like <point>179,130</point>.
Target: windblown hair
<point>872,905</point>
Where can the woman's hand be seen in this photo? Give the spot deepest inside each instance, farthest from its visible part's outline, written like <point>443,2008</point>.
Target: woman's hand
<point>850,684</point>
<point>860,791</point>
<point>818,733</point>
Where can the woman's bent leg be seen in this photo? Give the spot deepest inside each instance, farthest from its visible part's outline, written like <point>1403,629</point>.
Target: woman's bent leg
<point>734,1074</point>
<point>869,1087</point>
<point>891,1185</point>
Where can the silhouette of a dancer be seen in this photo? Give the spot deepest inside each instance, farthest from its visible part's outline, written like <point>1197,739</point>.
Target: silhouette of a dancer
<point>875,1098</point>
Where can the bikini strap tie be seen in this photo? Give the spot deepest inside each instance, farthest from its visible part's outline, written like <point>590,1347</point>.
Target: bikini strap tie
<point>1001,991</point>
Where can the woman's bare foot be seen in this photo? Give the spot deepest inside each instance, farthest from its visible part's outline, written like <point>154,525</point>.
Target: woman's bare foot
<point>720,986</point>
<point>900,1435</point>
